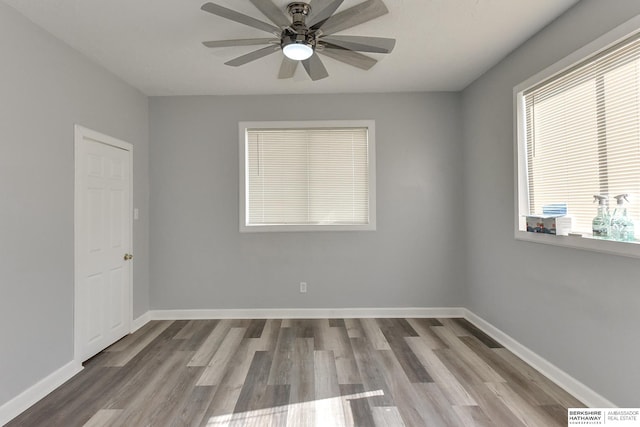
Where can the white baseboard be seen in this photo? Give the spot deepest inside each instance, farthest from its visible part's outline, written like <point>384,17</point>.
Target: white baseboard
<point>140,321</point>
<point>27,398</point>
<point>305,313</point>
<point>546,368</point>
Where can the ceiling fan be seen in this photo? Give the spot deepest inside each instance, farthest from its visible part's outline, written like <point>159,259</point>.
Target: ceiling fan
<point>301,41</point>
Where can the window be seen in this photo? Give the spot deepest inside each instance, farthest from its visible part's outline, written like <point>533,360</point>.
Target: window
<point>301,176</point>
<point>579,135</point>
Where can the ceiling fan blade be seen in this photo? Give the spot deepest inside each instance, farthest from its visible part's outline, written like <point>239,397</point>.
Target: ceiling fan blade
<point>315,68</point>
<point>318,19</point>
<point>252,56</point>
<point>239,17</point>
<point>362,44</point>
<point>238,42</point>
<point>288,68</point>
<point>349,57</point>
<point>273,12</point>
<point>318,4</point>
<point>356,15</point>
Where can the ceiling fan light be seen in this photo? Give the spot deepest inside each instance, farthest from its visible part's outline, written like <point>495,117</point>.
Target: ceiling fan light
<point>297,51</point>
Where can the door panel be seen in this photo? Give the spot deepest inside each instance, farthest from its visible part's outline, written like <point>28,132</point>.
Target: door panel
<point>117,203</point>
<point>116,294</point>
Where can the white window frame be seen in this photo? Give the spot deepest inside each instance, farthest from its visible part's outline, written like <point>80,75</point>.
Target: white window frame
<point>629,249</point>
<point>242,130</point>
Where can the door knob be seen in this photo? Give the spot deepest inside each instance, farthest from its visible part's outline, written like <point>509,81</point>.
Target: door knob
<point>127,257</point>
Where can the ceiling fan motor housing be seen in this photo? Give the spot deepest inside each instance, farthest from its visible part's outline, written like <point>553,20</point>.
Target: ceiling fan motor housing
<point>298,33</point>
<point>288,37</point>
<point>299,11</point>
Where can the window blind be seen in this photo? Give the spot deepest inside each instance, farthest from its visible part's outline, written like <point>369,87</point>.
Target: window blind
<point>307,176</point>
<point>583,134</point>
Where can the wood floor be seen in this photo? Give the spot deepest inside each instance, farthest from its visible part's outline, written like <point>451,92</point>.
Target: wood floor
<point>322,372</point>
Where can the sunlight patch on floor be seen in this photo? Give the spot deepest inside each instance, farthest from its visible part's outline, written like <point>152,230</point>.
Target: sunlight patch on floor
<point>334,412</point>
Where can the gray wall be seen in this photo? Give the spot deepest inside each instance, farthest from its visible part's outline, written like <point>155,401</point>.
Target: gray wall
<point>199,259</point>
<point>577,309</point>
<point>46,88</point>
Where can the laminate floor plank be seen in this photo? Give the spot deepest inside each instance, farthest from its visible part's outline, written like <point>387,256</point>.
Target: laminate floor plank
<point>121,358</point>
<point>387,417</point>
<point>358,404</point>
<point>442,376</point>
<point>269,337</point>
<point>177,326</point>
<point>415,370</point>
<point>526,388</point>
<point>280,372</point>
<point>220,409</point>
<point>423,328</point>
<point>476,332</point>
<point>373,333</point>
<point>305,372</point>
<point>557,412</point>
<point>303,327</point>
<point>255,386</point>
<point>472,416</point>
<point>139,373</point>
<point>346,366</point>
<point>227,393</point>
<point>529,414</point>
<point>455,327</point>
<point>239,323</point>
<point>337,323</point>
<point>151,398</point>
<point>486,372</point>
<point>434,398</point>
<point>400,326</point>
<point>276,400</point>
<point>329,403</point>
<point>194,408</point>
<point>354,328</point>
<point>255,328</point>
<point>458,368</point>
<point>371,372</point>
<point>211,344</point>
<point>325,375</point>
<point>170,403</point>
<point>499,414</point>
<point>195,334</point>
<point>216,368</point>
<point>413,410</point>
<point>187,330</point>
<point>102,418</point>
<point>323,335</point>
<point>560,395</point>
<point>302,382</point>
<point>141,334</point>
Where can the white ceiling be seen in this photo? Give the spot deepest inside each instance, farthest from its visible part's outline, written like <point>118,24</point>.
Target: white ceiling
<point>155,45</point>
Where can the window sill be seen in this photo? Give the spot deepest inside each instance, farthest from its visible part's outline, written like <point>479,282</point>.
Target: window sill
<point>627,249</point>
<point>304,227</point>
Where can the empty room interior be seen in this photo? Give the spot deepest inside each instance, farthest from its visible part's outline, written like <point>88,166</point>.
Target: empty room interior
<point>333,212</point>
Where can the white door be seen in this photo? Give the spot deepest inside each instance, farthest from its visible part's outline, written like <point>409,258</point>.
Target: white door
<point>103,241</point>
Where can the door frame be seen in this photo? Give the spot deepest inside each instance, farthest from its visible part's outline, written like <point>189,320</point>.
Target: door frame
<point>80,133</point>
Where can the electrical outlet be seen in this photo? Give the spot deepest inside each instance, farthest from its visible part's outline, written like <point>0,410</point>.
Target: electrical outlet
<point>303,287</point>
